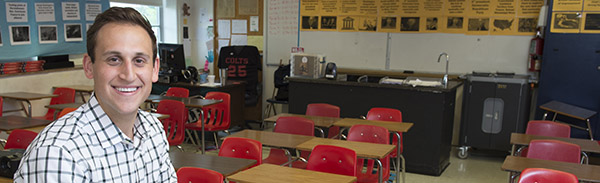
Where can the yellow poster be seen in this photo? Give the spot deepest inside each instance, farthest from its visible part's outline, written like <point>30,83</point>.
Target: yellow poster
<point>410,24</point>
<point>503,25</point>
<point>367,23</point>
<point>309,7</point>
<point>349,7</point>
<point>388,24</point>
<point>432,7</point>
<point>454,24</point>
<point>309,23</point>
<point>565,22</point>
<point>256,41</point>
<point>410,8</point>
<point>389,7</point>
<point>347,23</point>
<point>368,7</point>
<point>591,22</point>
<point>480,8</point>
<point>430,24</point>
<point>504,8</point>
<point>567,5</point>
<point>526,25</point>
<point>591,5</point>
<point>328,23</point>
<point>456,7</point>
<point>329,7</point>
<point>529,7</point>
<point>478,25</point>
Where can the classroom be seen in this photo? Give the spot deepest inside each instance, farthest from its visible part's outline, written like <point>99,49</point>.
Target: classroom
<point>300,91</point>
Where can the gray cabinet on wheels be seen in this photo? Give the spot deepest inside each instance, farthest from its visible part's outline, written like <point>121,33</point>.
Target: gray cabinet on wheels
<point>493,107</point>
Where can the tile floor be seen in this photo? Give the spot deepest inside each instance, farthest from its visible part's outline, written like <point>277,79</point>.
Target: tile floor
<point>474,169</point>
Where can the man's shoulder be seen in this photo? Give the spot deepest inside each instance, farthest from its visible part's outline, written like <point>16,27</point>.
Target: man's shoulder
<point>62,131</point>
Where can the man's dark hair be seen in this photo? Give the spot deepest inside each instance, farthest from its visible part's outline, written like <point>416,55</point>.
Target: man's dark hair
<point>121,16</point>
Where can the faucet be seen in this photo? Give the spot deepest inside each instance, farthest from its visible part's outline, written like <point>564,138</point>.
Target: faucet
<point>445,80</point>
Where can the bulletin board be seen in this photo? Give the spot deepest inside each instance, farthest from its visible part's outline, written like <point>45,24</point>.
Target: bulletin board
<point>30,28</point>
<point>390,47</point>
<point>238,22</point>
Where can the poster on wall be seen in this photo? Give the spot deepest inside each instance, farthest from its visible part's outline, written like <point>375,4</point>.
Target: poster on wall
<point>367,24</point>
<point>503,25</point>
<point>309,7</point>
<point>529,7</point>
<point>48,34</point>
<point>388,23</point>
<point>409,24</point>
<point>225,8</point>
<point>430,24</point>
<point>349,7</point>
<point>329,7</point>
<point>19,34</point>
<point>567,5</point>
<point>565,22</point>
<point>478,25</point>
<point>527,25</point>
<point>92,10</point>
<point>44,12</point>
<point>454,24</point>
<point>248,7</point>
<point>73,32</point>
<point>328,23</point>
<point>70,11</point>
<point>591,22</point>
<point>16,12</point>
<point>348,23</point>
<point>309,23</point>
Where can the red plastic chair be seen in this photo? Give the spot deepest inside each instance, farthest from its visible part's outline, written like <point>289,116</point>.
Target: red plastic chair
<point>216,117</point>
<point>542,175</point>
<point>178,92</point>
<point>554,150</point>
<point>237,147</point>
<point>332,159</point>
<point>545,128</point>
<point>370,134</point>
<point>66,111</point>
<point>393,115</point>
<point>198,175</point>
<point>291,125</point>
<point>173,125</point>
<point>19,139</point>
<point>65,96</point>
<point>325,110</point>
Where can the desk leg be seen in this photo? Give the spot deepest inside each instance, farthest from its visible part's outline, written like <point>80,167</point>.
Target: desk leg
<point>202,126</point>
<point>27,112</point>
<point>512,150</point>
<point>320,130</point>
<point>589,129</point>
<point>380,174</point>
<point>398,156</point>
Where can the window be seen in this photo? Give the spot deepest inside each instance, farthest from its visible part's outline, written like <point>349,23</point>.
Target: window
<point>152,13</point>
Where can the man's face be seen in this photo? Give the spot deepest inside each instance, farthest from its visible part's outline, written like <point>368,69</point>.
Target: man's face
<point>123,71</point>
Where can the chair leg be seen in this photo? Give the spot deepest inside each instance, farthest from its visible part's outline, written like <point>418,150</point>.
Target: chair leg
<point>403,168</point>
<point>190,137</point>
<point>180,148</point>
<point>589,129</point>
<point>216,140</point>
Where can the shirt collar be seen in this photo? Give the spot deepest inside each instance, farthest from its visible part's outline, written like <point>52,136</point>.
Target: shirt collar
<point>106,131</point>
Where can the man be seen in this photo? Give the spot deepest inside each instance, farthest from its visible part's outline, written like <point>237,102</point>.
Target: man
<point>108,139</point>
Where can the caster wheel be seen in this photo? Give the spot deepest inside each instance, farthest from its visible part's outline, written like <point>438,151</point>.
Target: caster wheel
<point>463,153</point>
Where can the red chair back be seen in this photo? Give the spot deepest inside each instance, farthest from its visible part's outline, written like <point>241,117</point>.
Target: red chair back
<point>173,125</point>
<point>65,96</point>
<point>332,159</point>
<point>198,175</point>
<point>66,111</point>
<point>542,175</point>
<point>554,150</point>
<point>295,125</point>
<point>237,147</point>
<point>218,115</point>
<point>388,114</point>
<point>370,134</point>
<point>548,128</point>
<point>325,110</point>
<point>19,139</point>
<point>178,92</point>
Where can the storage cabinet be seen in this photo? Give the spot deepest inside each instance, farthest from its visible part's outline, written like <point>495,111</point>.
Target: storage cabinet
<point>493,108</point>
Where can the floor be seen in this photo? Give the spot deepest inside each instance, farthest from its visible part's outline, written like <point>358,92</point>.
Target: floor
<point>475,169</point>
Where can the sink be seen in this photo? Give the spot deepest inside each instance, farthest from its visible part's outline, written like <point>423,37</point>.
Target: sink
<point>423,81</point>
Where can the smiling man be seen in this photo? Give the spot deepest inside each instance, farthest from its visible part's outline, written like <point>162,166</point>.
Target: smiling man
<point>108,139</point>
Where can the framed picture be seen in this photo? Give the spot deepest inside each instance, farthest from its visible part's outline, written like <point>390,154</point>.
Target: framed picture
<point>73,32</point>
<point>19,34</point>
<point>48,34</point>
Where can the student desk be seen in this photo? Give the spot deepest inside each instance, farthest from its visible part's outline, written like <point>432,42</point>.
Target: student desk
<point>26,97</point>
<point>320,121</point>
<point>268,173</point>
<point>224,165</point>
<point>362,149</point>
<point>524,139</point>
<point>188,102</point>
<point>393,127</point>
<point>571,111</point>
<point>583,172</point>
<point>8,123</point>
<point>59,107</point>
<point>273,139</point>
<point>81,89</point>
<point>160,116</point>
